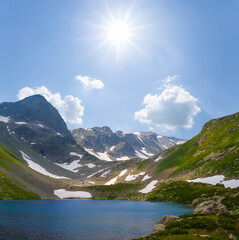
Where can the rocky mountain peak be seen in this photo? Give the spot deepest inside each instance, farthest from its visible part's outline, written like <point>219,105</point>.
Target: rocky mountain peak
<point>38,123</point>
<point>122,145</point>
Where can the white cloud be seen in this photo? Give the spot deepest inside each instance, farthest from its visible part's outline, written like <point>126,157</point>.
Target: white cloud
<point>172,108</point>
<point>69,107</point>
<point>90,82</point>
<point>170,79</point>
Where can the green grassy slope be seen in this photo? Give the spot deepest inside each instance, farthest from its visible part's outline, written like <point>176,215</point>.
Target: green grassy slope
<point>15,144</point>
<point>213,227</point>
<point>17,180</point>
<point>215,150</point>
<point>10,187</point>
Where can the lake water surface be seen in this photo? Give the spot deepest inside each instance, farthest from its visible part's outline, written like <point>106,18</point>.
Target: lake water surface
<point>81,219</point>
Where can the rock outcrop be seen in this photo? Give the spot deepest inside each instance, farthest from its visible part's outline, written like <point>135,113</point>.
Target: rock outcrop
<point>212,205</point>
<point>163,222</point>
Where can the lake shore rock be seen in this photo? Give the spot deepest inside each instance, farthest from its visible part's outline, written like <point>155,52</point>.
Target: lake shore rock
<point>163,222</point>
<point>210,206</point>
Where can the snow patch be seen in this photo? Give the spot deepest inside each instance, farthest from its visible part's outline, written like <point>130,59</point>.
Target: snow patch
<point>123,158</point>
<point>93,174</point>
<point>112,181</point>
<point>146,177</point>
<point>133,177</point>
<point>62,193</point>
<point>90,182</point>
<point>149,187</point>
<point>20,123</point>
<point>140,155</point>
<point>40,125</point>
<point>181,142</point>
<point>90,165</point>
<point>158,137</point>
<point>125,133</point>
<point>4,119</point>
<point>105,173</point>
<point>232,183</point>
<point>76,154</point>
<point>157,159</point>
<point>112,148</point>
<point>8,129</point>
<point>144,151</point>
<point>70,166</point>
<point>38,168</point>
<point>122,173</point>
<point>102,156</point>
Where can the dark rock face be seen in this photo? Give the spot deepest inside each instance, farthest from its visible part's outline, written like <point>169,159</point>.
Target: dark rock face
<point>121,144</point>
<point>40,125</point>
<point>122,149</point>
<point>98,139</point>
<point>35,109</point>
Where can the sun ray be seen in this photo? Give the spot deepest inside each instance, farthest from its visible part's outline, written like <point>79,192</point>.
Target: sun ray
<point>119,31</point>
<point>138,48</point>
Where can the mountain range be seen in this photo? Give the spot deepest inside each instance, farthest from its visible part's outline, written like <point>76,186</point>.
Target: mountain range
<point>107,145</point>
<point>38,154</point>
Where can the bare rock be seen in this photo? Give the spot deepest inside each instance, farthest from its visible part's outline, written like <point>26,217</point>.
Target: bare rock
<point>161,224</point>
<point>159,227</point>
<point>210,206</point>
<point>166,219</point>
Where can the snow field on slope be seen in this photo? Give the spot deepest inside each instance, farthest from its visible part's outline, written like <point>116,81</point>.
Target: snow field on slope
<point>38,168</point>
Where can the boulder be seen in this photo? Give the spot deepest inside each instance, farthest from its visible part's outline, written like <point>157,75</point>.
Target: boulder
<point>159,227</point>
<point>161,224</point>
<point>166,219</point>
<point>210,206</point>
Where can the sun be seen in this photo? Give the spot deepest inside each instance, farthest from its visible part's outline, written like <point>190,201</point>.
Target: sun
<point>119,31</point>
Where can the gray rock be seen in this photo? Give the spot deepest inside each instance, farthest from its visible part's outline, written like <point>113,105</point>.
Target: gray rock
<point>210,206</point>
<point>166,219</point>
<point>159,227</point>
<point>119,144</point>
<point>44,130</point>
<point>163,222</point>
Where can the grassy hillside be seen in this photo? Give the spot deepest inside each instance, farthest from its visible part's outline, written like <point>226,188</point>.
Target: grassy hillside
<point>211,227</point>
<point>10,187</point>
<point>14,144</point>
<point>184,192</point>
<point>215,150</point>
<point>17,180</point>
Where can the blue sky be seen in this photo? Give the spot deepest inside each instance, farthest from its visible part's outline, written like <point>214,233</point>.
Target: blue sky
<point>179,68</point>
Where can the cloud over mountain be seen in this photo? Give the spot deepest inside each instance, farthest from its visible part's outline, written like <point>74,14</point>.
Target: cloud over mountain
<point>89,82</point>
<point>173,107</point>
<point>69,106</point>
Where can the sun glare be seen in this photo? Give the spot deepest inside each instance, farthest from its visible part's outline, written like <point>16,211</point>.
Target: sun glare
<point>119,31</point>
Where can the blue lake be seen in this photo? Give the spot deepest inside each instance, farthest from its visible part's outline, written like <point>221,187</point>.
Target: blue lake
<point>82,219</point>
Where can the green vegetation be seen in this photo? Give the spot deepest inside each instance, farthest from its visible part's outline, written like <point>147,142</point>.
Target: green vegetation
<point>12,189</point>
<point>122,191</point>
<point>17,181</point>
<point>231,201</point>
<point>185,192</point>
<point>214,227</point>
<point>194,222</point>
<point>213,151</point>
